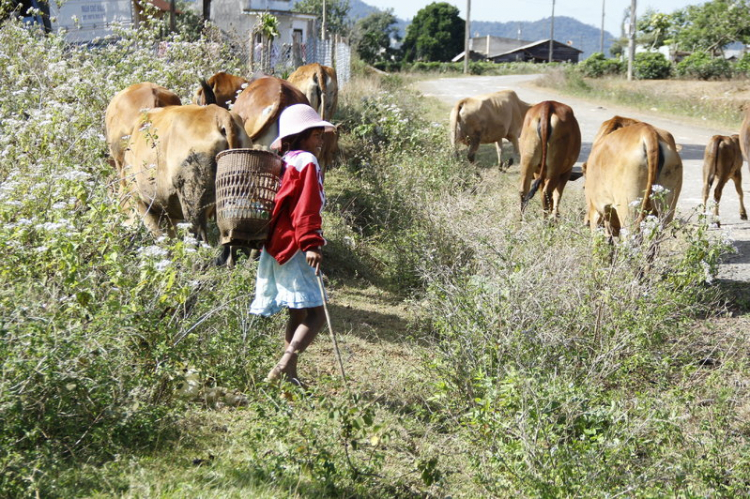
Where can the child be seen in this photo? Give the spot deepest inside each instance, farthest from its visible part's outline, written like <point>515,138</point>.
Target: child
<point>290,260</point>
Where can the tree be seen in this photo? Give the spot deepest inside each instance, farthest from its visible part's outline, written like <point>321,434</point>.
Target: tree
<point>337,12</point>
<point>656,28</point>
<point>712,25</point>
<point>435,34</point>
<point>372,36</point>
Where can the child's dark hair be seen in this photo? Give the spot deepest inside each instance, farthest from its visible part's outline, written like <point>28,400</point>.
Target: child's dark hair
<point>293,142</point>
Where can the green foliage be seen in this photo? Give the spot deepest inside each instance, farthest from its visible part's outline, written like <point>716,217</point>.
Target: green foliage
<point>596,65</point>
<point>540,365</point>
<point>399,162</point>
<point>435,34</point>
<point>372,36</point>
<point>98,319</point>
<point>701,65</point>
<point>712,25</point>
<point>655,29</point>
<point>651,66</point>
<point>336,12</point>
<point>743,65</point>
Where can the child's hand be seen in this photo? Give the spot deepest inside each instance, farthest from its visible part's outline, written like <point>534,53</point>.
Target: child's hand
<point>314,257</point>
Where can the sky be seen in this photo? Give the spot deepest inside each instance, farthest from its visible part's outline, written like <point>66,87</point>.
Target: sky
<point>586,11</point>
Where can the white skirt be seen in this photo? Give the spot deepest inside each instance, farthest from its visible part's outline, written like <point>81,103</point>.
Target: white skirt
<point>292,285</point>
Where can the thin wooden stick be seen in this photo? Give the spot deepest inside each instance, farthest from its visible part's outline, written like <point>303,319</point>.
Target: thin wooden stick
<point>330,329</point>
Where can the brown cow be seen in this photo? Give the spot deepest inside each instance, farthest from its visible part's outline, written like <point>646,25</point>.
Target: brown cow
<point>260,104</point>
<point>722,161</point>
<point>125,109</point>
<point>320,86</point>
<point>226,87</point>
<point>550,143</point>
<point>745,135</point>
<point>488,118</point>
<point>170,166</point>
<point>621,172</point>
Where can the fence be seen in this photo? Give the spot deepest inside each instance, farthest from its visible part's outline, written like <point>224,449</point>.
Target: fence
<point>281,60</point>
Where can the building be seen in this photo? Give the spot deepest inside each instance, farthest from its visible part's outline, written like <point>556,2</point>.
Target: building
<point>539,52</point>
<point>499,49</point>
<point>240,18</point>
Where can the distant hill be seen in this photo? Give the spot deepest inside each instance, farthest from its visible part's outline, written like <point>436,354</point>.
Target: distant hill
<point>584,36</point>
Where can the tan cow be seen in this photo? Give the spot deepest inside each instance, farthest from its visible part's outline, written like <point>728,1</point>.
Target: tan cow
<point>125,109</point>
<point>722,161</point>
<point>488,118</point>
<point>170,166</point>
<point>550,143</point>
<point>225,87</point>
<point>621,172</point>
<point>745,135</point>
<point>320,85</point>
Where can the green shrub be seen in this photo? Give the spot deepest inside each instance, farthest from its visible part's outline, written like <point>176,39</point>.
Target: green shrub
<point>703,66</point>
<point>596,65</point>
<point>651,66</point>
<point>742,67</point>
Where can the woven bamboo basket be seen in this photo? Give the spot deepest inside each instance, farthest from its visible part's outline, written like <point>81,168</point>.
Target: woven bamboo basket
<point>246,184</point>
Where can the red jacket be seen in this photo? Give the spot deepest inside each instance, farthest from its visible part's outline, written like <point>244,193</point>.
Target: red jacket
<point>296,220</point>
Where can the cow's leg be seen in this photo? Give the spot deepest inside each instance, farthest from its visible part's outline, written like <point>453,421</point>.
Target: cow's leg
<point>706,191</point>
<point>473,147</point>
<point>499,149</point>
<point>738,185</point>
<point>718,189</point>
<point>557,193</point>
<point>150,219</point>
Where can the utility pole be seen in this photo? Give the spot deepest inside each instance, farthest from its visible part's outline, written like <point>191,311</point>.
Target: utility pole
<point>601,33</point>
<point>631,40</point>
<point>467,35</point>
<point>552,31</point>
<point>323,27</point>
<point>172,12</point>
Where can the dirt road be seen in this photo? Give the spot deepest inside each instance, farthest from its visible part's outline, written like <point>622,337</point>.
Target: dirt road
<point>690,134</point>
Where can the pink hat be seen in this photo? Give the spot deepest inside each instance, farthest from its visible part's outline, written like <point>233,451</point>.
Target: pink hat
<point>296,119</point>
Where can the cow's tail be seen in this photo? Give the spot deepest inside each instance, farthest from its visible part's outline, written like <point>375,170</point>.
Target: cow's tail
<point>455,124</point>
<point>712,152</point>
<point>209,97</point>
<point>653,160</point>
<point>543,129</point>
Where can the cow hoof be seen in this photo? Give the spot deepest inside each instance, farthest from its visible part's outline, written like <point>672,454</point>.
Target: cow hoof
<point>743,216</point>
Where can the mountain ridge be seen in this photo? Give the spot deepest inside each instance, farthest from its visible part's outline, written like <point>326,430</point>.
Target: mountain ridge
<point>567,29</point>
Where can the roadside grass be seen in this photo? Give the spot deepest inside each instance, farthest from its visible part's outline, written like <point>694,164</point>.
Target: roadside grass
<point>486,355</point>
<point>722,104</point>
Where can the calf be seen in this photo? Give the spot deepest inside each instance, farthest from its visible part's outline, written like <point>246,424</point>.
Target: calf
<point>722,161</point>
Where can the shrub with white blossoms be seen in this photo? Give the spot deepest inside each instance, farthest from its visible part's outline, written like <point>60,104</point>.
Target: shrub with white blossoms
<point>101,312</point>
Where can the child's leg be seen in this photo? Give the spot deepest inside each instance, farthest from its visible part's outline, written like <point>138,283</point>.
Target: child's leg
<point>303,326</point>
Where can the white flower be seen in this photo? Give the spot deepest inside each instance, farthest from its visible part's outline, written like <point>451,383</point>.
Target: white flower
<point>153,251</point>
<point>659,189</point>
<point>161,265</point>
